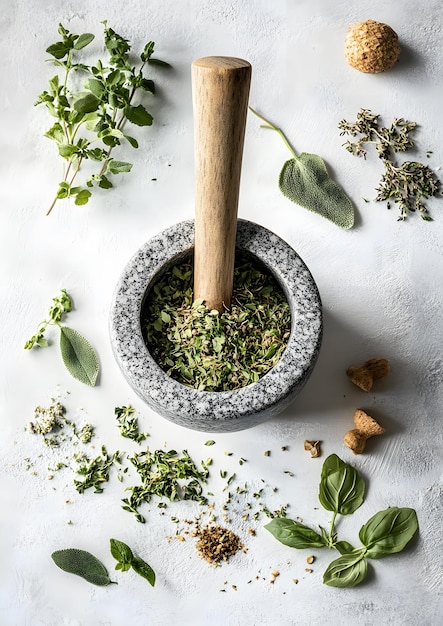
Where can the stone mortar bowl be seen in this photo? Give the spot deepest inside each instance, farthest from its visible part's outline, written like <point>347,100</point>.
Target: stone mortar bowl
<point>224,411</point>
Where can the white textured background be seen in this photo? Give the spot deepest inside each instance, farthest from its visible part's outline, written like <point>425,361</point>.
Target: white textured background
<point>381,286</point>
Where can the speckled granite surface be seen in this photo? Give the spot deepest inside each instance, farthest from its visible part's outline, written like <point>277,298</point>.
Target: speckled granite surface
<point>228,410</point>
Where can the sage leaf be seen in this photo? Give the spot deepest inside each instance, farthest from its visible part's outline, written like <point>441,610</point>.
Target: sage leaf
<point>121,552</point>
<point>388,531</point>
<point>341,490</point>
<point>304,179</point>
<point>347,571</point>
<point>78,356</point>
<point>82,564</point>
<point>143,569</point>
<point>293,534</point>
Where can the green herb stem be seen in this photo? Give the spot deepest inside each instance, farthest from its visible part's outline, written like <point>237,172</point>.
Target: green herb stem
<point>278,130</point>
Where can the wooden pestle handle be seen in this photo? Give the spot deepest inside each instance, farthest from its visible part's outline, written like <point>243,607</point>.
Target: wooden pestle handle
<point>220,87</point>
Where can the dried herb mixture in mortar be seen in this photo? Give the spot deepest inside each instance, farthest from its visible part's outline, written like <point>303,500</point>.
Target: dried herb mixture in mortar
<point>213,351</point>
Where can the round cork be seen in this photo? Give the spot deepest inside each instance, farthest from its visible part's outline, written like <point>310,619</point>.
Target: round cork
<point>371,47</point>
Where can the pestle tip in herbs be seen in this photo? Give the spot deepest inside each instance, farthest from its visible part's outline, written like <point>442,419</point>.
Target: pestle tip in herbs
<point>304,179</point>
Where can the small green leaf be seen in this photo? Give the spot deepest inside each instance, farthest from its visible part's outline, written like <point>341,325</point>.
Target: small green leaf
<point>159,63</point>
<point>96,87</point>
<point>121,552</point>
<point>117,167</point>
<point>58,50</point>
<point>210,442</point>
<point>341,490</point>
<point>347,571</point>
<point>82,564</point>
<point>138,115</point>
<point>104,182</point>
<point>388,531</point>
<point>131,140</point>
<point>83,41</point>
<point>67,150</point>
<point>305,181</point>
<point>344,547</point>
<point>293,534</point>
<point>86,103</point>
<point>143,569</point>
<point>82,197</point>
<point>78,356</point>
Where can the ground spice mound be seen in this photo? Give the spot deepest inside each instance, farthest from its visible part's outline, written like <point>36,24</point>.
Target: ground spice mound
<point>371,47</point>
<point>216,544</point>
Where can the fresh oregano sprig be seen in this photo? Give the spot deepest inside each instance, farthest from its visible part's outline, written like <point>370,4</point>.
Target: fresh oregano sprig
<point>304,179</point>
<point>90,119</point>
<point>407,184</point>
<point>77,353</point>
<point>126,560</point>
<point>342,491</point>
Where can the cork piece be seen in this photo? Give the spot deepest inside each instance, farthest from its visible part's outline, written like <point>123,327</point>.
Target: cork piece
<point>365,427</point>
<point>364,375</point>
<point>371,47</point>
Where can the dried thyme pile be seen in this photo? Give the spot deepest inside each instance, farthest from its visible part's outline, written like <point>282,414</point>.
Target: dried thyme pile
<point>214,351</point>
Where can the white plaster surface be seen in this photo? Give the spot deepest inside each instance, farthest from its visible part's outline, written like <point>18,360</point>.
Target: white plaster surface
<point>381,286</point>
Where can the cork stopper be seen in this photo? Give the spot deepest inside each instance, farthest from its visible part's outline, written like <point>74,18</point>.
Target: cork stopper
<point>371,47</point>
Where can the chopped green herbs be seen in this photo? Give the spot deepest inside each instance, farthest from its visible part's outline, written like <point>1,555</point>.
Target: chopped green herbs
<point>95,471</point>
<point>167,475</point>
<point>128,423</point>
<point>214,351</point>
<point>406,185</point>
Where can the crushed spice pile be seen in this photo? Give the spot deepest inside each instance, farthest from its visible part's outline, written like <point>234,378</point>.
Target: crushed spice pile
<point>216,544</point>
<point>213,351</point>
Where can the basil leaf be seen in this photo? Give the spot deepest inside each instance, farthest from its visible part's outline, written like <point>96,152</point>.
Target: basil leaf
<point>344,547</point>
<point>121,552</point>
<point>78,356</point>
<point>347,571</point>
<point>388,531</point>
<point>144,570</point>
<point>341,490</point>
<point>293,534</point>
<point>331,464</point>
<point>305,181</point>
<point>138,115</point>
<point>82,564</point>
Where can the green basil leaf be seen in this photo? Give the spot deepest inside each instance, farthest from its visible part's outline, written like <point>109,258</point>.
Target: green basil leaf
<point>143,569</point>
<point>341,490</point>
<point>331,464</point>
<point>388,531</point>
<point>305,181</point>
<point>79,356</point>
<point>347,571</point>
<point>344,547</point>
<point>82,564</point>
<point>138,115</point>
<point>86,103</point>
<point>121,552</point>
<point>293,534</point>
<point>83,41</point>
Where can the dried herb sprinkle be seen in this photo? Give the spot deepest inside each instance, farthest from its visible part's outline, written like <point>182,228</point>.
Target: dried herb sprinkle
<point>213,351</point>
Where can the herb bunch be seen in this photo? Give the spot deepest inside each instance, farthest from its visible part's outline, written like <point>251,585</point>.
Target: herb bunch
<point>127,423</point>
<point>89,122</point>
<point>407,184</point>
<point>342,491</point>
<point>213,351</point>
<point>77,353</point>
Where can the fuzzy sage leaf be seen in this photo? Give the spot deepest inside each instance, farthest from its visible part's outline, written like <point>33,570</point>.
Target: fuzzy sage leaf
<point>293,534</point>
<point>78,356</point>
<point>82,564</point>
<point>304,179</point>
<point>388,532</point>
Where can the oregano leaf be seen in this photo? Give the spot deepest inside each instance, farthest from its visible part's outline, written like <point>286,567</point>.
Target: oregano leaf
<point>78,356</point>
<point>138,115</point>
<point>143,569</point>
<point>86,103</point>
<point>117,167</point>
<point>82,563</point>
<point>305,181</point>
<point>83,41</point>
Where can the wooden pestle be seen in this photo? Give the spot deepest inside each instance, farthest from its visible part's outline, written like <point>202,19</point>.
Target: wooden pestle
<point>220,87</point>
